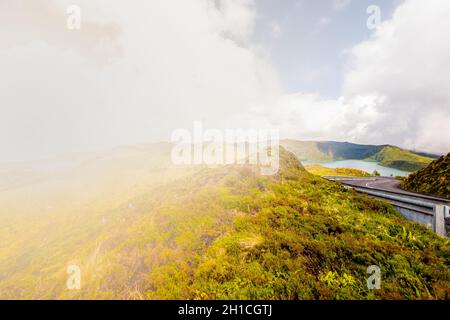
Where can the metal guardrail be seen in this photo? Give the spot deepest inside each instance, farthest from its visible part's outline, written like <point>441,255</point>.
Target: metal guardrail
<point>406,194</point>
<point>395,197</point>
<point>437,213</point>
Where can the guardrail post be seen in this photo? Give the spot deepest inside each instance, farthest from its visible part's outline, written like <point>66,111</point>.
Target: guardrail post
<point>439,219</point>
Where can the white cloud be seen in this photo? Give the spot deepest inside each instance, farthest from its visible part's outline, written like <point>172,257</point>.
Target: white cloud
<point>133,73</point>
<point>407,61</point>
<point>311,117</point>
<point>396,89</point>
<point>235,17</point>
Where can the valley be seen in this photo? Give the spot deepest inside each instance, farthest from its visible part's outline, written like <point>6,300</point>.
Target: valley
<point>384,155</point>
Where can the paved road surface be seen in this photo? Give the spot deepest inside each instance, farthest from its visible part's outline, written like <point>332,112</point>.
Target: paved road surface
<point>384,184</point>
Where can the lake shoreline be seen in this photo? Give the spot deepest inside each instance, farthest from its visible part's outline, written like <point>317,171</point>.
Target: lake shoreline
<point>367,166</point>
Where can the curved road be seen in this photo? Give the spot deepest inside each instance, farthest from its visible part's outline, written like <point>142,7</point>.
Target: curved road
<point>384,184</point>
<point>414,206</point>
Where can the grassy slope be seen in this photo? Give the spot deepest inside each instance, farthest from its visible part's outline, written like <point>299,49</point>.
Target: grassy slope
<point>395,157</point>
<point>226,233</point>
<point>433,180</point>
<point>319,170</point>
<point>307,150</point>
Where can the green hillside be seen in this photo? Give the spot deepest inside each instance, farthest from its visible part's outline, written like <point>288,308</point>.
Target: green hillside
<point>220,233</point>
<point>388,156</point>
<point>405,160</point>
<point>433,180</point>
<point>306,150</point>
<point>329,150</point>
<point>322,171</point>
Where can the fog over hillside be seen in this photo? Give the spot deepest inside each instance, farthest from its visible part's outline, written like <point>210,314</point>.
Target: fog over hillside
<point>136,228</point>
<point>224,150</point>
<point>134,73</point>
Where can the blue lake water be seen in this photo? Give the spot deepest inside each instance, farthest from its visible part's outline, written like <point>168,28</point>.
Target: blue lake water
<point>366,166</point>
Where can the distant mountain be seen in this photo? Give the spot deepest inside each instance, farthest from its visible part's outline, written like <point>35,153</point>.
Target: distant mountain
<point>386,155</point>
<point>433,180</point>
<point>395,157</point>
<point>427,154</point>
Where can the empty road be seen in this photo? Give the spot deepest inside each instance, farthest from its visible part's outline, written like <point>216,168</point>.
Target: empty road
<point>386,184</point>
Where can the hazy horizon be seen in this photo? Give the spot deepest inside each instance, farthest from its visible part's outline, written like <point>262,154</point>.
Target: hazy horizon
<point>133,74</point>
<point>229,150</point>
<point>102,150</point>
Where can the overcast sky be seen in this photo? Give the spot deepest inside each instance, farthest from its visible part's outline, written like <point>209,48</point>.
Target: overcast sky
<point>138,70</point>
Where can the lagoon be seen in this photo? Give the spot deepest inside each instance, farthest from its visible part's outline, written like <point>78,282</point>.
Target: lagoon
<point>367,166</point>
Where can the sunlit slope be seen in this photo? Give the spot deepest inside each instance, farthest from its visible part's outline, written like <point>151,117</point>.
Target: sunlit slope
<point>226,233</point>
<point>433,180</point>
<point>388,156</point>
<point>51,208</point>
<point>322,171</point>
<point>395,157</point>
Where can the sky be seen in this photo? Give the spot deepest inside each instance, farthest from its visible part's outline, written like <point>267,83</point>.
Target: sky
<point>308,40</point>
<point>137,71</point>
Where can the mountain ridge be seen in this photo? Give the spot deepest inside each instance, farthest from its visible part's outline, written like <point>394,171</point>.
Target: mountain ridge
<point>387,155</point>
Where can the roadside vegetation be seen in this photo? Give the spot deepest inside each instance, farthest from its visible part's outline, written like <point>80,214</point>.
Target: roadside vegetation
<point>226,233</point>
<point>432,180</point>
<point>320,170</point>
